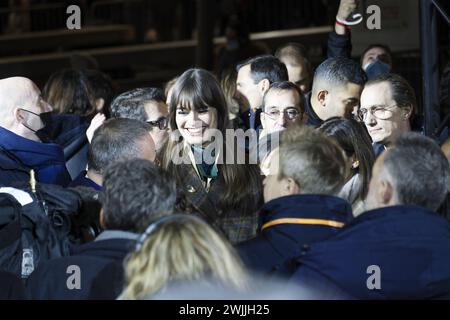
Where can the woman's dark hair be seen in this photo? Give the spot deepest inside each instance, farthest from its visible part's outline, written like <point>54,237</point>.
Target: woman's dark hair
<point>69,91</point>
<point>102,87</point>
<point>354,140</point>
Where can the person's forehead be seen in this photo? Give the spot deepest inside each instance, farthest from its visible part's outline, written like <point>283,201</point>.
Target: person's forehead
<point>276,95</point>
<point>296,72</point>
<point>375,52</point>
<point>244,73</point>
<point>378,93</point>
<point>349,90</point>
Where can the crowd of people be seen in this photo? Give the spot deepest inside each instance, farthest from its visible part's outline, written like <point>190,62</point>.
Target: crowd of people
<point>274,180</point>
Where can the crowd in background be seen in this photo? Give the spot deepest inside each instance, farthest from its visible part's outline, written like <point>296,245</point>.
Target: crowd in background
<point>131,195</point>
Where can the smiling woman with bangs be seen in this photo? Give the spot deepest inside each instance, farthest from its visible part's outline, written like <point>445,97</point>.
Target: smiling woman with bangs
<point>227,195</point>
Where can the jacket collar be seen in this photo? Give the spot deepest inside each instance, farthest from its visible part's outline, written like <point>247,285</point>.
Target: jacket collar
<point>110,243</point>
<point>309,208</point>
<point>404,215</point>
<point>409,243</point>
<point>117,234</point>
<point>29,152</point>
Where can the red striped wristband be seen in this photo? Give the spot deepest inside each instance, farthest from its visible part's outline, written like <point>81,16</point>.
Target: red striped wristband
<point>342,24</point>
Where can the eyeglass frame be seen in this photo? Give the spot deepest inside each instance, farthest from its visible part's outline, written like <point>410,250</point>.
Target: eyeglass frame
<point>157,123</point>
<point>372,109</point>
<point>300,113</point>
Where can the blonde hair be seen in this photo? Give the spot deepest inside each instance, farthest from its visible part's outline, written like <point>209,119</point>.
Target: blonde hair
<point>184,248</point>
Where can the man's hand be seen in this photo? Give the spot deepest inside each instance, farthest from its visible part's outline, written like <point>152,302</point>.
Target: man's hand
<point>346,7</point>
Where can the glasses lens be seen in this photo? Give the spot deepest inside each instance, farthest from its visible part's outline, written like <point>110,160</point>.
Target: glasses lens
<point>162,123</point>
<point>382,114</point>
<point>292,114</point>
<point>274,114</point>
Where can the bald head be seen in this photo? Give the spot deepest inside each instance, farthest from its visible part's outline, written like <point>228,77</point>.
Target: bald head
<point>20,106</point>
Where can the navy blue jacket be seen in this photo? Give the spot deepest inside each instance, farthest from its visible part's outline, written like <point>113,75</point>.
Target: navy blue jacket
<point>278,243</point>
<point>49,280</point>
<point>339,45</point>
<point>82,181</point>
<point>11,287</point>
<point>18,155</point>
<point>410,245</point>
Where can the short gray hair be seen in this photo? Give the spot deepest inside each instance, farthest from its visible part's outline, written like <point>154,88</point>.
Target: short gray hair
<point>315,162</point>
<point>419,171</point>
<point>131,104</point>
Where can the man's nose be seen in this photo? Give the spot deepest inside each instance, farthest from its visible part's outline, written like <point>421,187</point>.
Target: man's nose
<point>369,119</point>
<point>282,119</point>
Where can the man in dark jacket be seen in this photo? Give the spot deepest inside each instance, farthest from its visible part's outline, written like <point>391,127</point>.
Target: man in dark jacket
<point>300,204</point>
<point>11,287</point>
<point>336,90</point>
<point>135,193</point>
<point>400,248</point>
<point>253,80</point>
<point>115,140</point>
<point>22,112</point>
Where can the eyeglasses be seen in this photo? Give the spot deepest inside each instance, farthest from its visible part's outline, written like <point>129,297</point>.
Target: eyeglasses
<point>379,112</point>
<point>291,114</point>
<point>161,123</point>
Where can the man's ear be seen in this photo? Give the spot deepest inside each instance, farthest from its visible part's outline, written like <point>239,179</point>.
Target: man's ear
<point>407,112</point>
<point>385,192</point>
<point>292,187</point>
<point>263,85</point>
<point>18,116</point>
<point>322,97</point>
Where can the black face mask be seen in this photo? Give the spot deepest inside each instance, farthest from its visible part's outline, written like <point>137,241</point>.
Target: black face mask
<point>44,134</point>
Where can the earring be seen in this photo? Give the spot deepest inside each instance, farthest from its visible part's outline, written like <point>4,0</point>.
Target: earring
<point>355,164</point>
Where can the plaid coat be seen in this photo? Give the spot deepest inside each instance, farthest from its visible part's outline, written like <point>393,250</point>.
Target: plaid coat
<point>236,226</point>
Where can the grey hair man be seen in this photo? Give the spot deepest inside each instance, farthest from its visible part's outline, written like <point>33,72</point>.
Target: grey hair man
<point>388,103</point>
<point>414,172</point>
<point>147,105</point>
<point>301,206</point>
<point>398,249</point>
